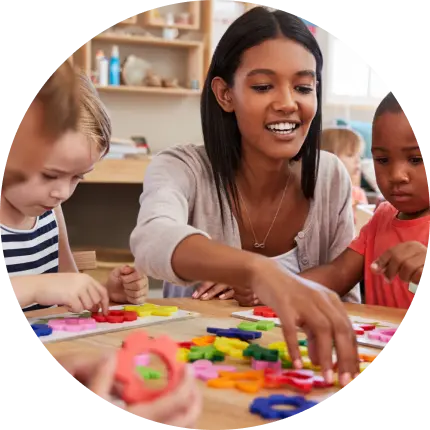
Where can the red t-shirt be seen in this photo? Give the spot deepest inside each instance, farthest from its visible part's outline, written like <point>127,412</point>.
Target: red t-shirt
<point>381,233</point>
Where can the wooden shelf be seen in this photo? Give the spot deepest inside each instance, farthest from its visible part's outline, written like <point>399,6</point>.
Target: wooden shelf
<point>190,59</point>
<point>144,40</point>
<point>148,90</point>
<point>193,8</point>
<point>125,171</point>
<point>162,24</point>
<point>130,21</point>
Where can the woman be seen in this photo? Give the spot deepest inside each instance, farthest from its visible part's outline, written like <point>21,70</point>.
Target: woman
<point>216,213</point>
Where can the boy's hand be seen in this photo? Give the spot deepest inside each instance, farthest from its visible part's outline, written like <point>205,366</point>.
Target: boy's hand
<point>405,259</point>
<point>127,285</point>
<point>77,291</point>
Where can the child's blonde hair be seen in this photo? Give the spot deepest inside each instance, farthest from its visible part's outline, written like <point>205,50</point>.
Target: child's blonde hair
<point>340,141</point>
<point>94,121</point>
<point>59,98</point>
<point>71,102</point>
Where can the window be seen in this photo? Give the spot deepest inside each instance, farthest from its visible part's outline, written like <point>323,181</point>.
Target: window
<point>350,79</point>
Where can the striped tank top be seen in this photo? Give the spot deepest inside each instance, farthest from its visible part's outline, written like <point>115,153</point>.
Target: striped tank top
<point>34,251</point>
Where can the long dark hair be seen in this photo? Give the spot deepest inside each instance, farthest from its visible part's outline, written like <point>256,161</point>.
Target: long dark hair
<point>220,130</point>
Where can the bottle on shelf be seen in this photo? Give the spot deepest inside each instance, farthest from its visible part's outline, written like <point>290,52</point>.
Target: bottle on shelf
<point>102,68</point>
<point>114,67</point>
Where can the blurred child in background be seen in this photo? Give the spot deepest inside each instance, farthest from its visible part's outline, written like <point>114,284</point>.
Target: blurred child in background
<point>348,146</point>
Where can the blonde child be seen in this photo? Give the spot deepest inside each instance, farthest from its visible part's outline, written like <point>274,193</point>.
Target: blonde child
<point>67,110</point>
<point>391,249</point>
<point>34,235</point>
<point>347,146</point>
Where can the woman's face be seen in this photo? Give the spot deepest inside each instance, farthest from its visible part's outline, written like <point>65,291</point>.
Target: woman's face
<point>273,97</point>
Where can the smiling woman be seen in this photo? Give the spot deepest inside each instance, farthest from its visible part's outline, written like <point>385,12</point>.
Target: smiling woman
<point>245,213</point>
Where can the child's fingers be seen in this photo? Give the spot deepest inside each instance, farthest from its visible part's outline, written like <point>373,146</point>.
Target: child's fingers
<point>75,305</point>
<point>86,300</point>
<point>104,297</point>
<point>95,296</point>
<point>103,378</point>
<point>392,268</point>
<point>416,276</point>
<point>164,408</point>
<point>131,278</point>
<point>188,417</point>
<point>411,269</point>
<point>127,270</point>
<point>135,294</point>
<point>136,286</point>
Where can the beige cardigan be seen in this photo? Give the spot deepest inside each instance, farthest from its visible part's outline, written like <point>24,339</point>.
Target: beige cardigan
<point>179,199</point>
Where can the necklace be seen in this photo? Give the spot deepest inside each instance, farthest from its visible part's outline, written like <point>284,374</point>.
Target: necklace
<point>262,245</point>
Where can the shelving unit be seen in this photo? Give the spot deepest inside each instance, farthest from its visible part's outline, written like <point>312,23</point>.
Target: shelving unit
<point>190,62</point>
<point>153,18</point>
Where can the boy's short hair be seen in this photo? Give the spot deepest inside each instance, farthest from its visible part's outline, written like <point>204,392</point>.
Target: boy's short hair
<point>341,140</point>
<point>388,104</point>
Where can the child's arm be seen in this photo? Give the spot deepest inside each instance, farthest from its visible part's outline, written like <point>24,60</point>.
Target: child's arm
<point>66,261</point>
<point>341,275</point>
<point>76,291</point>
<point>346,270</point>
<point>25,288</point>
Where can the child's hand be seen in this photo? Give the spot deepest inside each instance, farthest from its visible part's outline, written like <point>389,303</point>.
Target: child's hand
<point>77,291</point>
<point>180,408</point>
<point>405,259</point>
<point>126,285</point>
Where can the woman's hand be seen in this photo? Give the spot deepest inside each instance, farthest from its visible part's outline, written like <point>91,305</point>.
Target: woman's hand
<point>314,308</point>
<point>210,290</point>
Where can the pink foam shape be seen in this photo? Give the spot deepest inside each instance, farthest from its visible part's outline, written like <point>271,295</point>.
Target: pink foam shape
<point>383,335</point>
<point>276,366</point>
<point>206,370</point>
<point>71,321</point>
<point>72,324</point>
<point>56,323</point>
<point>142,360</point>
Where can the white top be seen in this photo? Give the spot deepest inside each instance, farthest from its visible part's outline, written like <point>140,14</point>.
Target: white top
<point>289,261</point>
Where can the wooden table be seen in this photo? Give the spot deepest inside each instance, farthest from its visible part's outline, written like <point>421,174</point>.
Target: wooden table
<point>223,409</point>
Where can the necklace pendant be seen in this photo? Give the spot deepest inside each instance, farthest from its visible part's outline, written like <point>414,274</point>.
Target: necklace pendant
<point>259,245</point>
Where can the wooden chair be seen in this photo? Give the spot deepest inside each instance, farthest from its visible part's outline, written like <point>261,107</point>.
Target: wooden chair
<point>85,260</point>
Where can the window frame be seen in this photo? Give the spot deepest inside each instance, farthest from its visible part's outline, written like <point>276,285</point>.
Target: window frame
<point>336,99</point>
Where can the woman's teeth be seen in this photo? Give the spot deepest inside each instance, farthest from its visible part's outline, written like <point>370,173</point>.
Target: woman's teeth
<point>282,127</point>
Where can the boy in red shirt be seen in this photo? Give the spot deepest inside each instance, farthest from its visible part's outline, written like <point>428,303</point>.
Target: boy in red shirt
<point>391,249</point>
